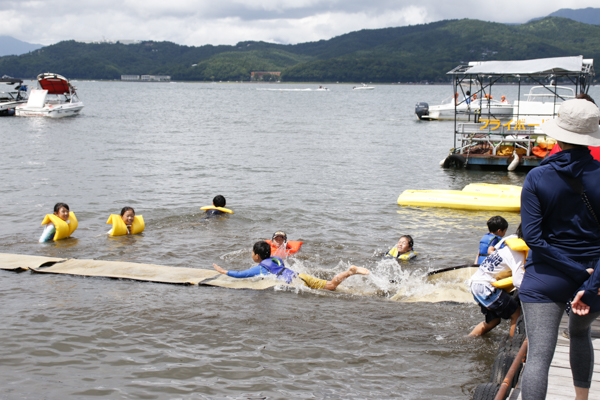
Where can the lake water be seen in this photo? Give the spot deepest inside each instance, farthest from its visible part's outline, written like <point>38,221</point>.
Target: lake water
<point>326,167</point>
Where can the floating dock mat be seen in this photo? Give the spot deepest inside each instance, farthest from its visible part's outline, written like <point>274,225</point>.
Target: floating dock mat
<point>17,262</point>
<point>127,270</point>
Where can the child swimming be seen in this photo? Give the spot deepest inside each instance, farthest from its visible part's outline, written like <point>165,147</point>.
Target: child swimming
<point>261,253</point>
<point>127,223</point>
<point>59,225</point>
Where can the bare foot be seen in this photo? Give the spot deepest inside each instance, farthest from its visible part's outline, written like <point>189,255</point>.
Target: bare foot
<point>358,270</point>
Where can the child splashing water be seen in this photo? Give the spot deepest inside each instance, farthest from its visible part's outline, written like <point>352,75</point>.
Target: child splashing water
<point>261,254</point>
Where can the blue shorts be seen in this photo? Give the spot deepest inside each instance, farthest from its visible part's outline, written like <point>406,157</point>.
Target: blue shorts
<point>504,307</point>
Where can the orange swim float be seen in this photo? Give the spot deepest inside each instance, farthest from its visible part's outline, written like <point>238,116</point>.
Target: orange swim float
<point>291,247</point>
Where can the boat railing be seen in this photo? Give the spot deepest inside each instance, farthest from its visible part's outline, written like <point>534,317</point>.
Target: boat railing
<point>470,136</point>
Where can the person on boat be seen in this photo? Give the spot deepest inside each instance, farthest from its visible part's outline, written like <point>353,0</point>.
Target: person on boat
<point>130,224</point>
<point>496,304</point>
<point>268,265</point>
<point>503,100</point>
<point>218,207</point>
<point>61,217</point>
<point>497,227</point>
<point>595,151</point>
<point>280,247</point>
<point>403,250</point>
<point>560,205</point>
<point>468,97</point>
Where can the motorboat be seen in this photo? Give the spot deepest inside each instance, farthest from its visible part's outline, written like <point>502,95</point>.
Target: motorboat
<point>322,89</point>
<point>474,103</point>
<point>10,99</point>
<point>363,87</point>
<point>54,98</point>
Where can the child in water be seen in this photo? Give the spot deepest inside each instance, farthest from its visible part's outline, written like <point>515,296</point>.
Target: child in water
<point>403,250</point>
<point>261,254</point>
<point>497,227</point>
<point>218,207</point>
<point>61,210</point>
<point>127,215</point>
<point>280,247</point>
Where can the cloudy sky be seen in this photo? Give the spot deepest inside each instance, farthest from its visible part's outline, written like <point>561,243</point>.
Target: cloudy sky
<point>200,22</point>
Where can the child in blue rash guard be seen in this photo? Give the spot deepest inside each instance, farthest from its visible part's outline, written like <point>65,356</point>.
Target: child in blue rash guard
<point>218,201</point>
<point>497,229</point>
<point>261,253</point>
<point>403,250</point>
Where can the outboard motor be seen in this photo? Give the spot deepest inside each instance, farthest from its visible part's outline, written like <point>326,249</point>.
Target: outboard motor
<point>421,109</point>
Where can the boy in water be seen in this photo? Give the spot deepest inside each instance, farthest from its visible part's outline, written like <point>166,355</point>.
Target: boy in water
<point>403,250</point>
<point>497,227</point>
<point>218,207</point>
<point>261,254</point>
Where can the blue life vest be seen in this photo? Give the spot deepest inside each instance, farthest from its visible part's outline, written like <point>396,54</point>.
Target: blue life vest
<point>276,267</point>
<point>489,239</point>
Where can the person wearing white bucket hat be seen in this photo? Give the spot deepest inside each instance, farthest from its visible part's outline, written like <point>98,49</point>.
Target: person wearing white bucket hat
<point>560,204</point>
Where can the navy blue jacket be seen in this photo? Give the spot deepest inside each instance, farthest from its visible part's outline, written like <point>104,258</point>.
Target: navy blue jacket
<point>561,232</point>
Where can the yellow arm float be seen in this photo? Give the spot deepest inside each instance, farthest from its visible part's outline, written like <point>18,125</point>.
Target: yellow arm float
<point>517,245</point>
<point>63,230</point>
<point>225,210</point>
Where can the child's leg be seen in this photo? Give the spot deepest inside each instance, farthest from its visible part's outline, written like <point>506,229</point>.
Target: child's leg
<point>339,278</point>
<point>485,327</point>
<point>513,321</point>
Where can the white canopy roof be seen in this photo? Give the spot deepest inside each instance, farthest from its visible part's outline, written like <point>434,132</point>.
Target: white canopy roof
<point>537,66</point>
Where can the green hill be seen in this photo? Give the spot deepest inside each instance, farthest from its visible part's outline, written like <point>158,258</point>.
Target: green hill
<point>405,54</point>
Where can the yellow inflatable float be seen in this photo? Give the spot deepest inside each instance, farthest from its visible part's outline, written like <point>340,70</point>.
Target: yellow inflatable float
<point>63,230</point>
<point>223,209</point>
<point>119,228</point>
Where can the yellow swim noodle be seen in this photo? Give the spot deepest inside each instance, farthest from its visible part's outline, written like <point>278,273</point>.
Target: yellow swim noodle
<point>63,230</point>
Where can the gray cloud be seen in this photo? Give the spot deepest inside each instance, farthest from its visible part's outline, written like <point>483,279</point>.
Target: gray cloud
<point>199,22</point>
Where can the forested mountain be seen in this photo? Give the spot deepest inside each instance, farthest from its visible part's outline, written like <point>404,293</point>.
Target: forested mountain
<point>405,54</point>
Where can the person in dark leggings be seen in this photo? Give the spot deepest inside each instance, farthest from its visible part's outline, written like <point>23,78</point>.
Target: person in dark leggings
<point>560,204</point>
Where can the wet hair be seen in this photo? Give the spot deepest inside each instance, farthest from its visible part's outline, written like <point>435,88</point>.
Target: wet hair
<point>58,206</point>
<point>468,93</point>
<point>520,232</point>
<point>125,209</point>
<point>410,240</point>
<point>219,201</point>
<point>262,249</point>
<point>496,223</point>
<point>585,96</point>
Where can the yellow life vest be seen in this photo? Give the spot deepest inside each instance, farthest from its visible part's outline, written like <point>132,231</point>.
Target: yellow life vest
<point>517,245</point>
<point>119,228</point>
<point>405,256</point>
<point>225,210</point>
<point>63,230</point>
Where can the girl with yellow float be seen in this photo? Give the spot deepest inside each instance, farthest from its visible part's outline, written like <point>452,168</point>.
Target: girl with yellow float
<point>127,223</point>
<point>59,225</point>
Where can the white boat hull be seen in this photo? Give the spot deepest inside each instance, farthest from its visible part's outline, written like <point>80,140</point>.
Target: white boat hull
<point>51,111</point>
<point>445,112</point>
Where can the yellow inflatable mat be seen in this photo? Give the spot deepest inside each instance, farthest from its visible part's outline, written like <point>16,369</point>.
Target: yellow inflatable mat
<point>16,262</point>
<point>127,270</point>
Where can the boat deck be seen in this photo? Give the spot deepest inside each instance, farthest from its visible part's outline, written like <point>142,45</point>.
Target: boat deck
<point>560,380</point>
